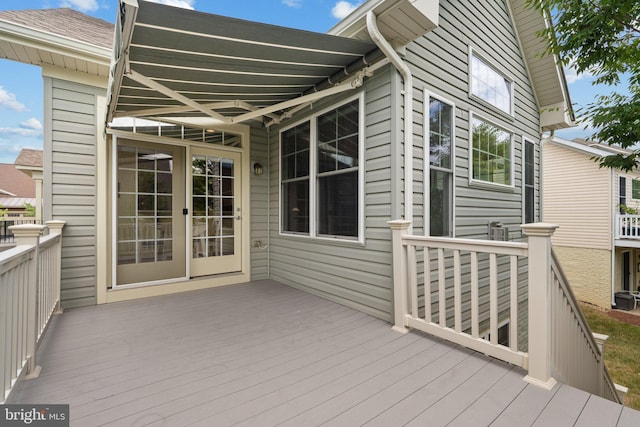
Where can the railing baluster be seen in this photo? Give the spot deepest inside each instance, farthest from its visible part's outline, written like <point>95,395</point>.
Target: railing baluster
<point>413,279</point>
<point>442,296</point>
<point>457,291</point>
<point>427,285</point>
<point>474,295</point>
<point>493,298</point>
<point>513,309</point>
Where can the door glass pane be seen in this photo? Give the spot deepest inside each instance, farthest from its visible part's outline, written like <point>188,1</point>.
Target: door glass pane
<point>144,205</point>
<point>213,201</point>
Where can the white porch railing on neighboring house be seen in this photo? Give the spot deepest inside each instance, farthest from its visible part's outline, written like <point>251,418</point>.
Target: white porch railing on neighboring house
<point>505,299</point>
<point>627,227</point>
<point>29,296</point>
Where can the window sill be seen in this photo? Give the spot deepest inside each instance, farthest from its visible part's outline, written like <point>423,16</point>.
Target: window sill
<point>491,186</point>
<point>334,241</point>
<point>492,108</point>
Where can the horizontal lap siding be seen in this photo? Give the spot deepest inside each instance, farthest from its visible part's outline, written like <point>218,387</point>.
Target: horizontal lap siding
<point>578,198</point>
<point>439,62</point>
<point>72,184</point>
<point>259,204</point>
<point>351,274</point>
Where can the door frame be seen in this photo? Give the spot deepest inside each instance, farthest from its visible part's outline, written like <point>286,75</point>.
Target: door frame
<point>161,287</point>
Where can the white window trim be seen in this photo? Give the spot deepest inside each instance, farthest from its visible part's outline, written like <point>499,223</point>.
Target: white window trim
<point>491,64</point>
<point>313,176</point>
<point>524,140</point>
<point>427,163</point>
<point>487,184</point>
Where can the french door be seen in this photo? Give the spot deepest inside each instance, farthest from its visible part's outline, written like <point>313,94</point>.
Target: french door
<point>215,212</point>
<point>176,208</point>
<point>150,225</point>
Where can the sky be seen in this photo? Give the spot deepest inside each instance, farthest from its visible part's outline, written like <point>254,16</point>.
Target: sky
<point>21,92</point>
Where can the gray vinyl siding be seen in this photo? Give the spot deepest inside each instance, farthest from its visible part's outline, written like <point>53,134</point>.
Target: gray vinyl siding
<point>259,204</point>
<point>361,276</point>
<point>440,64</point>
<point>70,183</point>
<point>353,274</point>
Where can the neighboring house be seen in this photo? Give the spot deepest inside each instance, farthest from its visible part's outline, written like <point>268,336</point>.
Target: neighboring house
<point>597,242</point>
<point>304,135</point>
<point>16,189</point>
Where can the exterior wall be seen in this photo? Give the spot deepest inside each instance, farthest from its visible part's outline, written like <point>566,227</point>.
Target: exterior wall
<point>71,134</point>
<point>440,63</point>
<point>357,275</point>
<point>589,273</point>
<point>631,202</point>
<point>260,142</point>
<point>578,198</point>
<point>360,276</point>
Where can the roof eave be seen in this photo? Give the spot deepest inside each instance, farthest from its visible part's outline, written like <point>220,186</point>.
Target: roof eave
<point>53,43</point>
<point>392,18</point>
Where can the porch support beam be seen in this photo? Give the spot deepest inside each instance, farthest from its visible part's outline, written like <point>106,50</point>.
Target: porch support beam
<point>157,112</point>
<point>152,84</point>
<point>348,85</point>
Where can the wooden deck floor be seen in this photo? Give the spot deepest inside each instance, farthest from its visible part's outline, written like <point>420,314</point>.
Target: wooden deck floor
<point>263,354</point>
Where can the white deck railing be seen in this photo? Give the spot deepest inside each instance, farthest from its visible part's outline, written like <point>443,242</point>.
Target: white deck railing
<point>627,227</point>
<point>464,290</point>
<point>575,350</point>
<point>29,295</point>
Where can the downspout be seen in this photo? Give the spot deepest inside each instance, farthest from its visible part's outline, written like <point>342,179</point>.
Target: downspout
<point>405,72</point>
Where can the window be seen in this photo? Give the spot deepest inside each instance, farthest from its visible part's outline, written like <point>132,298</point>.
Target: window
<point>440,128</point>
<point>529,182</point>
<point>622,194</point>
<point>294,173</point>
<point>491,153</point>
<point>320,173</point>
<point>635,189</point>
<point>490,85</point>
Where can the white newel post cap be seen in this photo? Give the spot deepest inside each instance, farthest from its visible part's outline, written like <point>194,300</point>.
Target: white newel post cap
<point>55,226</point>
<point>539,229</point>
<point>26,231</point>
<point>399,224</point>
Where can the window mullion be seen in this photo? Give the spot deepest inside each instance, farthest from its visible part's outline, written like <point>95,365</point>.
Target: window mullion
<point>313,179</point>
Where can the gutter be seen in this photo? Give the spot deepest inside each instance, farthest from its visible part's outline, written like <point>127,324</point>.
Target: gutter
<point>405,72</point>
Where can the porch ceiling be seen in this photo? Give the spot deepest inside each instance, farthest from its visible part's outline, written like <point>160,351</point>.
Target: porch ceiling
<point>184,66</point>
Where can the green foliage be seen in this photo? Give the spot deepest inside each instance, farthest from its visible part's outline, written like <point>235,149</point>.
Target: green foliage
<point>29,210</point>
<point>3,212</point>
<point>602,37</point>
<point>628,210</point>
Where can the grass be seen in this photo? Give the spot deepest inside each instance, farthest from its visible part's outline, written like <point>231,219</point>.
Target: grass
<point>621,351</point>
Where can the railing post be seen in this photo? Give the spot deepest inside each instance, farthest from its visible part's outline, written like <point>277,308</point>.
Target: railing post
<point>539,236</point>
<point>55,227</point>
<point>600,339</point>
<point>400,307</point>
<point>29,234</point>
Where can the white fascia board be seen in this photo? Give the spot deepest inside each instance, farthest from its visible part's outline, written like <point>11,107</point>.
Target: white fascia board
<point>37,39</point>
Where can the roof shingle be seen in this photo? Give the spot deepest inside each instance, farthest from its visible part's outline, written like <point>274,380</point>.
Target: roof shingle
<point>64,22</point>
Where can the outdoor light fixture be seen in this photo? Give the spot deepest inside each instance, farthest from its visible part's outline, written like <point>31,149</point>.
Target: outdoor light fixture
<point>257,169</point>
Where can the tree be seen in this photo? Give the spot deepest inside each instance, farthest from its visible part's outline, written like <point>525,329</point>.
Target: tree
<point>602,37</point>
<point>29,210</point>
